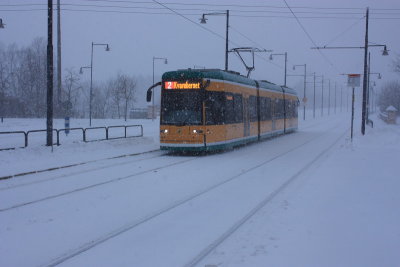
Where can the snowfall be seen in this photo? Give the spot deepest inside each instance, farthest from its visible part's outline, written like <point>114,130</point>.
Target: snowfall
<point>311,198</point>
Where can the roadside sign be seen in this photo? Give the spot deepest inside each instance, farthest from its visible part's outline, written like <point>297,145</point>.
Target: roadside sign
<point>66,125</point>
<point>353,80</point>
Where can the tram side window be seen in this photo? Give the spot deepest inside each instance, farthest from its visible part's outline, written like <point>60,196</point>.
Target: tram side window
<point>279,108</point>
<point>253,108</point>
<point>229,109</point>
<point>238,108</point>
<point>215,108</point>
<point>288,107</point>
<point>265,108</point>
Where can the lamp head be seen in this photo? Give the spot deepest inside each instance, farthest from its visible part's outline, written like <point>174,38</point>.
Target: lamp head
<point>203,20</point>
<point>108,48</point>
<point>385,52</point>
<point>1,24</point>
<point>270,57</point>
<point>294,67</point>
<point>166,61</point>
<point>379,76</point>
<point>80,71</point>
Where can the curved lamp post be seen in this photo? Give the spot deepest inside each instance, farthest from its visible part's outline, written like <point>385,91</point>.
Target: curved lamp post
<point>203,20</point>
<point>284,54</point>
<point>305,81</point>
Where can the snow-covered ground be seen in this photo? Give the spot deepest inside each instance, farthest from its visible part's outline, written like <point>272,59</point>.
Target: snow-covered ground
<point>311,198</point>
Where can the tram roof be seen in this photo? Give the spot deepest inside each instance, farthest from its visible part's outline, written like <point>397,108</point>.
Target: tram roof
<point>222,75</point>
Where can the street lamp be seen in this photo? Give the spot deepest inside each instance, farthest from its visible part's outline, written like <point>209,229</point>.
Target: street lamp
<point>2,24</point>
<point>165,62</point>
<point>203,20</point>
<point>285,54</point>
<point>305,81</point>
<point>81,69</point>
<point>316,76</point>
<point>91,78</point>
<point>385,52</point>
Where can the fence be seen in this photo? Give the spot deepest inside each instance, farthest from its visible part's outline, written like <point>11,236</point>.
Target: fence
<point>84,131</point>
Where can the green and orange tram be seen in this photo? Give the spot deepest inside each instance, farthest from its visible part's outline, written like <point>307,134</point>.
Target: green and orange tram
<point>212,109</point>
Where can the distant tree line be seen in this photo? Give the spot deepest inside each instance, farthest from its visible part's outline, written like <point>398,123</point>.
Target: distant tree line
<point>23,87</point>
<point>390,93</point>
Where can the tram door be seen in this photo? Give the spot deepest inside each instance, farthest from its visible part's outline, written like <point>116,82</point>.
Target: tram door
<point>246,117</point>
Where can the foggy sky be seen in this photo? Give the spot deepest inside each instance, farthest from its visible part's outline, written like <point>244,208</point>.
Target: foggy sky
<point>136,38</point>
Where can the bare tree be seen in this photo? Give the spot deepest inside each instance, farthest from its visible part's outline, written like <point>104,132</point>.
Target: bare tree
<point>121,90</point>
<point>70,92</point>
<point>128,85</point>
<point>396,64</point>
<point>99,102</point>
<point>390,96</point>
<point>32,78</point>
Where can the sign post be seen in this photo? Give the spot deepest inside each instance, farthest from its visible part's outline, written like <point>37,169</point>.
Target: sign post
<point>353,80</point>
<point>66,125</point>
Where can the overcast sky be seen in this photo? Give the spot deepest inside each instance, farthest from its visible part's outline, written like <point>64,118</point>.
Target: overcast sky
<point>135,37</point>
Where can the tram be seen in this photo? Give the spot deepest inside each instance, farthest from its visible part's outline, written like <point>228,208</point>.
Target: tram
<point>213,109</point>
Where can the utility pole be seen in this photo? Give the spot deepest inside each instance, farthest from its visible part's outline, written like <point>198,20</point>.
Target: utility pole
<point>335,98</point>
<point>322,102</point>
<point>58,55</point>
<point>368,81</point>
<point>49,122</point>
<point>352,114</point>
<point>227,40</point>
<point>329,98</point>
<point>364,103</point>
<point>347,100</point>
<point>305,84</point>
<point>314,99</point>
<point>341,98</point>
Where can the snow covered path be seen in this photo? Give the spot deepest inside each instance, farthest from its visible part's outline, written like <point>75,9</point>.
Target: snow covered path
<point>69,215</point>
<point>247,207</point>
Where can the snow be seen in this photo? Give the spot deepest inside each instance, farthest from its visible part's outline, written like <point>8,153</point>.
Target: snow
<point>328,201</point>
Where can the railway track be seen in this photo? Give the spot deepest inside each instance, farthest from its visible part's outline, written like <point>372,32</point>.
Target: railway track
<point>212,246</point>
<point>73,165</point>
<point>113,180</point>
<point>133,224</point>
<point>108,165</point>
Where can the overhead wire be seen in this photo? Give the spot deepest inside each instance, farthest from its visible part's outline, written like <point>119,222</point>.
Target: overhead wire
<point>344,32</point>
<point>241,5</point>
<point>96,8</point>
<point>195,7</point>
<point>310,38</point>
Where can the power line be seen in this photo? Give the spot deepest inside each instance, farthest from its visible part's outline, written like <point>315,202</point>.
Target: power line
<point>198,9</point>
<point>309,36</point>
<point>241,5</point>
<point>186,14</point>
<point>195,23</point>
<point>345,31</point>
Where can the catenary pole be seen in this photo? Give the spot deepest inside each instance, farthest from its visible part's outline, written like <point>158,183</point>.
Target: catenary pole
<point>364,101</point>
<point>49,122</point>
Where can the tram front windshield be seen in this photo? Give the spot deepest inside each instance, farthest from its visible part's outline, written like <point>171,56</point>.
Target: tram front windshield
<point>181,107</point>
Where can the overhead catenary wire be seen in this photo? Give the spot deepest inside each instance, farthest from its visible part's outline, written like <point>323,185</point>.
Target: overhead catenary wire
<point>196,9</point>
<point>345,31</point>
<point>240,5</point>
<point>310,38</point>
<point>241,12</point>
<point>145,11</point>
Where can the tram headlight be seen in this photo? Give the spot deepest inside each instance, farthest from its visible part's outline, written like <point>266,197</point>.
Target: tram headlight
<point>195,131</point>
<point>164,131</point>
